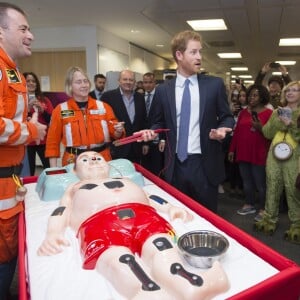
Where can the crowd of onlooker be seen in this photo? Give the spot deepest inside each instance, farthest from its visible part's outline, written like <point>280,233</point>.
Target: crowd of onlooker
<point>262,153</point>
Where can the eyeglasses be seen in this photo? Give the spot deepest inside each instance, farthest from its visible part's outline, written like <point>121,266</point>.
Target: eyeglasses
<point>292,90</point>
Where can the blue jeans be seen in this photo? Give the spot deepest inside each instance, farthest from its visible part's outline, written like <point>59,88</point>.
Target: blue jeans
<point>254,179</point>
<point>7,271</point>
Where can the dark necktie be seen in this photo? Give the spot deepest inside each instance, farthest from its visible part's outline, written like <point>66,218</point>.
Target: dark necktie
<point>148,102</point>
<point>184,123</point>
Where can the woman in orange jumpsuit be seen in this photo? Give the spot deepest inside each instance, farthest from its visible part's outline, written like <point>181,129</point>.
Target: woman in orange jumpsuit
<point>81,123</point>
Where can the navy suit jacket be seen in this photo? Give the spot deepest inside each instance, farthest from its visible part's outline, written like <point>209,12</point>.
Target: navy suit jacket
<point>131,151</point>
<point>214,113</point>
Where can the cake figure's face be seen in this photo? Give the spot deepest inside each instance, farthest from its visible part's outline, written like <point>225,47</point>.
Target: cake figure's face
<point>91,165</point>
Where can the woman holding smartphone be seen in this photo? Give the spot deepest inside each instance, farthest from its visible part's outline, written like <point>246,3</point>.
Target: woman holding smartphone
<point>283,128</point>
<point>249,148</point>
<point>37,102</point>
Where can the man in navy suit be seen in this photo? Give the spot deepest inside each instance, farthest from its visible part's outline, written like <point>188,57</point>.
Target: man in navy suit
<point>210,118</point>
<point>129,107</point>
<point>99,82</point>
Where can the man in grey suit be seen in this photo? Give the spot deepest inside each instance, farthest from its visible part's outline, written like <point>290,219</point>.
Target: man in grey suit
<point>199,172</point>
<point>129,107</point>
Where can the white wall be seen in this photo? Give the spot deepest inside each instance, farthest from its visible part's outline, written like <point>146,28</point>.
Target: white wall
<point>104,51</point>
<point>111,60</point>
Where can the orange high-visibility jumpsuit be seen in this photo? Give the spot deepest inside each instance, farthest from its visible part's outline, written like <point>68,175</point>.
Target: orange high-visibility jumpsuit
<point>15,132</point>
<point>75,128</point>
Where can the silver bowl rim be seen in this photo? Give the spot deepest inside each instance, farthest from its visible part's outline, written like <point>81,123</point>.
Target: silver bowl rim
<point>210,232</point>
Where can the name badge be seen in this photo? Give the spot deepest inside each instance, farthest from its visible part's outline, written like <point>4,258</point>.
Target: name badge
<point>67,113</point>
<point>97,111</point>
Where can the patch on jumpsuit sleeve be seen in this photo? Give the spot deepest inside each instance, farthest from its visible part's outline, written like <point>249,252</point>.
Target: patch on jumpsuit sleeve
<point>12,76</point>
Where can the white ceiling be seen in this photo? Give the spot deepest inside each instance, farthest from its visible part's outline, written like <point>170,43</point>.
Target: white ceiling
<point>255,26</point>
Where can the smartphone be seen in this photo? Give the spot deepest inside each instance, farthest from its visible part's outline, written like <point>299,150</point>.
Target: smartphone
<point>274,65</point>
<point>254,116</point>
<point>284,112</point>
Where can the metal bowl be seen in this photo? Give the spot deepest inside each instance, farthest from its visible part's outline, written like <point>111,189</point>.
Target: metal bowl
<point>201,248</point>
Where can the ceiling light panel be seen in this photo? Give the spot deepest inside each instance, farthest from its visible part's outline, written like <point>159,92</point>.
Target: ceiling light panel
<point>289,42</point>
<point>207,25</point>
<point>230,55</point>
<point>239,69</point>
<point>286,62</point>
<point>245,76</point>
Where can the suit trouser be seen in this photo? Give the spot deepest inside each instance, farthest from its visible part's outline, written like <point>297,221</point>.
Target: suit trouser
<point>7,271</point>
<point>153,160</point>
<point>40,150</point>
<point>8,252</point>
<point>189,177</point>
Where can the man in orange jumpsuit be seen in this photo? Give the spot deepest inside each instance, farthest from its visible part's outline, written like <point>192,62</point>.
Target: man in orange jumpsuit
<point>15,132</point>
<point>81,123</point>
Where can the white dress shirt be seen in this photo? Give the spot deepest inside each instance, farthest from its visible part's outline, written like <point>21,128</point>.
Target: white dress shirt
<point>194,146</point>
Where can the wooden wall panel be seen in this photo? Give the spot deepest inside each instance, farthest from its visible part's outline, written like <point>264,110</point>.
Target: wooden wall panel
<point>54,65</point>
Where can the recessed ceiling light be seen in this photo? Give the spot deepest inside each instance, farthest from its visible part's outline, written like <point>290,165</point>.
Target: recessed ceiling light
<point>289,42</point>
<point>160,45</point>
<point>286,62</point>
<point>249,81</point>
<point>276,73</point>
<point>205,25</point>
<point>245,76</point>
<point>230,55</point>
<point>134,31</point>
<point>239,69</point>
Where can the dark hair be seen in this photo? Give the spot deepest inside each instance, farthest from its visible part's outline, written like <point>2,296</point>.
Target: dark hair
<point>263,92</point>
<point>38,92</point>
<point>149,74</point>
<point>277,79</point>
<point>4,6</point>
<point>242,89</point>
<point>99,76</point>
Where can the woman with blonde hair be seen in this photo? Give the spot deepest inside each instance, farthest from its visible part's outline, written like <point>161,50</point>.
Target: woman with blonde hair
<point>282,163</point>
<point>81,123</point>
